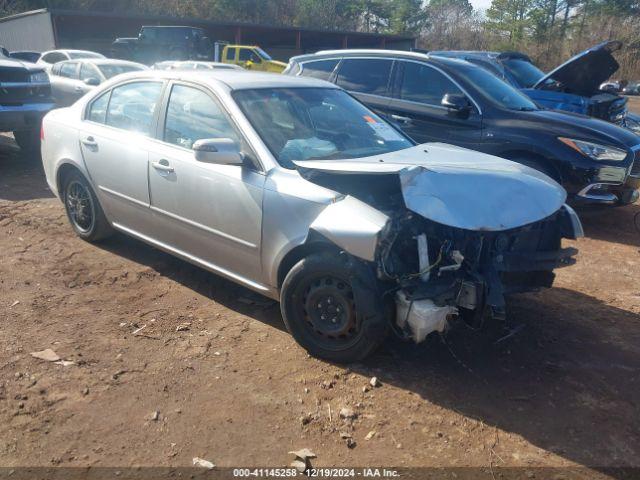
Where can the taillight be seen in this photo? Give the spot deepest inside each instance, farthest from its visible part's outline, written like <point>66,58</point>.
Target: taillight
<point>41,133</point>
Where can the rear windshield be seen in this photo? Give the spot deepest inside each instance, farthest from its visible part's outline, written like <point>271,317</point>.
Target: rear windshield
<point>76,55</point>
<point>524,72</point>
<point>112,70</point>
<point>495,90</point>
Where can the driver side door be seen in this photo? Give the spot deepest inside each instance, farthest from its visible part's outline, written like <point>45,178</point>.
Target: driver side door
<point>209,213</point>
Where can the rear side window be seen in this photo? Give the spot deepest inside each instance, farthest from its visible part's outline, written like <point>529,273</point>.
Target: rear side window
<point>69,70</point>
<point>365,75</point>
<point>98,109</point>
<point>88,71</point>
<point>321,69</point>
<point>193,115</point>
<point>133,105</point>
<point>424,84</point>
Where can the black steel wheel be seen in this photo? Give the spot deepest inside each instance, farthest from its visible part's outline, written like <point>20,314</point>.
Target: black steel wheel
<point>332,309</point>
<point>83,210</point>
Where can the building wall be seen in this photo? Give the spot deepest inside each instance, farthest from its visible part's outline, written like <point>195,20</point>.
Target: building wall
<point>30,32</point>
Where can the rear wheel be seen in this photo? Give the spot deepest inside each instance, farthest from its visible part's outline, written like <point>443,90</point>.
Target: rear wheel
<point>332,309</point>
<point>83,210</point>
<point>28,140</point>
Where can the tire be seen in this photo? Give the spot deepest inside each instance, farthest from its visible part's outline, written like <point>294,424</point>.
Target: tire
<point>83,209</point>
<point>28,140</point>
<point>332,307</point>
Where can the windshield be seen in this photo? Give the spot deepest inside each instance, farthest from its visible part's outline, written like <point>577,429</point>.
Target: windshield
<point>317,124</point>
<point>112,70</point>
<point>263,54</point>
<point>496,90</point>
<point>78,55</point>
<point>524,72</point>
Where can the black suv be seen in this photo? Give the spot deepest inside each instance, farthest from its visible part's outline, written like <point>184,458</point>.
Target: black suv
<point>437,99</point>
<point>25,97</point>
<point>158,43</point>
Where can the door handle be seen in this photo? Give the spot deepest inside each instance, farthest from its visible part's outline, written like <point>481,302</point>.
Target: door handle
<point>401,119</point>
<point>89,142</point>
<point>163,166</point>
<point>79,89</point>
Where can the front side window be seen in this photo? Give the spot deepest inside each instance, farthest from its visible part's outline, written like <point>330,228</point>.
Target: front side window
<point>194,115</point>
<point>69,70</point>
<point>317,124</point>
<point>231,54</point>
<point>321,69</point>
<point>88,71</point>
<point>133,105</point>
<point>98,109</point>
<point>246,54</point>
<point>424,84</point>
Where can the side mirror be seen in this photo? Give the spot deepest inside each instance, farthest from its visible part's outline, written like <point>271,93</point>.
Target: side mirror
<point>92,81</point>
<point>221,151</point>
<point>456,102</point>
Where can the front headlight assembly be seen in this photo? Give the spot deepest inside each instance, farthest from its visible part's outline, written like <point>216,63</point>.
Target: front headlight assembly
<point>39,77</point>
<point>595,151</point>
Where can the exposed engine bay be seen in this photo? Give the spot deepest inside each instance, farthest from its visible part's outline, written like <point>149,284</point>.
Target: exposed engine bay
<point>432,257</point>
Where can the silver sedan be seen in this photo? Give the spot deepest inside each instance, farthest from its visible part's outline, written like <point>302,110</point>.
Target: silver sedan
<point>292,188</point>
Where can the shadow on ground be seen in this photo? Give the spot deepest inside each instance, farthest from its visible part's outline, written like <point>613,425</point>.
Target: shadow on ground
<point>616,225</point>
<point>21,176</point>
<point>572,372</point>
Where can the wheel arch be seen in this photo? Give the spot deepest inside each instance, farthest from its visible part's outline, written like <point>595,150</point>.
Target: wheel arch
<point>314,244</point>
<point>63,171</point>
<point>536,157</point>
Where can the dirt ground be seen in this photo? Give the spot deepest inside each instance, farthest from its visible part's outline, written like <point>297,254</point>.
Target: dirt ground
<point>234,388</point>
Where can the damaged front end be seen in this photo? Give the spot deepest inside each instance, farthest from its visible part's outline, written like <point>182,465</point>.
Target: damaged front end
<point>447,238</point>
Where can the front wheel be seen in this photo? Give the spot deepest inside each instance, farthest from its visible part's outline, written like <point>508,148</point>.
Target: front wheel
<point>332,308</point>
<point>83,210</point>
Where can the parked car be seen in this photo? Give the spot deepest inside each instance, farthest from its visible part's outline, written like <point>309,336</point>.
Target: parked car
<point>48,59</point>
<point>610,87</point>
<point>25,56</point>
<point>294,189</point>
<point>194,65</point>
<point>157,43</point>
<point>632,88</point>
<point>439,99</point>
<point>250,57</point>
<point>71,79</point>
<point>25,97</point>
<point>572,87</point>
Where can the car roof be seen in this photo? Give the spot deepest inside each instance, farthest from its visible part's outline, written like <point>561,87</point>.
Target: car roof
<point>232,79</point>
<point>105,61</point>
<point>426,57</point>
<point>70,50</point>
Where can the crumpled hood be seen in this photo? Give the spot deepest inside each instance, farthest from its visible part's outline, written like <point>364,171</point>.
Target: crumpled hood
<point>455,186</point>
<point>583,73</point>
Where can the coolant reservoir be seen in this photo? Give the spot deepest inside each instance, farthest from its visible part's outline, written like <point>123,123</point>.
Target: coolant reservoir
<point>422,316</point>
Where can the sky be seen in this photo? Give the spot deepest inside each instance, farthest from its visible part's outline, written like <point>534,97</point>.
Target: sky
<point>481,4</point>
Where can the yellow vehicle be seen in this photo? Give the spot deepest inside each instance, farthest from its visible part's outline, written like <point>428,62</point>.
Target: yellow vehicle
<point>251,58</point>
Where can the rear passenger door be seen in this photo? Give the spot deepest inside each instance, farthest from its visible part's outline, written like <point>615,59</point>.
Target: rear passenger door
<point>115,142</point>
<point>368,79</point>
<point>418,91</point>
